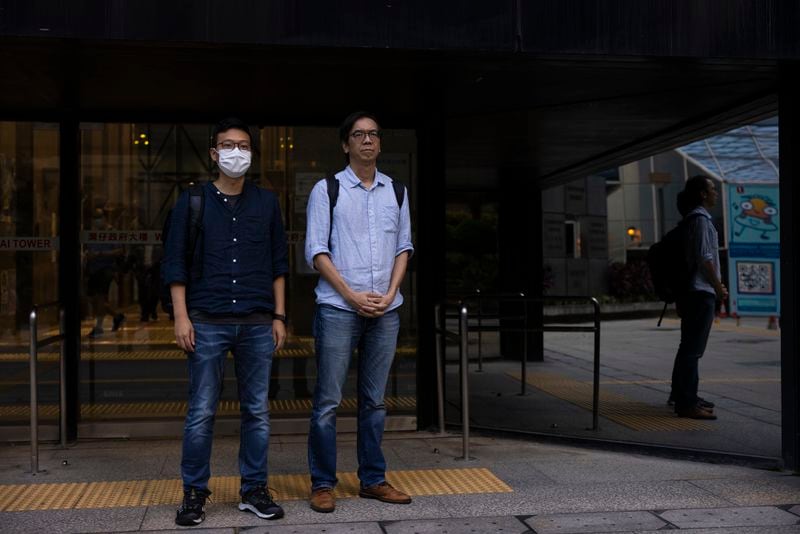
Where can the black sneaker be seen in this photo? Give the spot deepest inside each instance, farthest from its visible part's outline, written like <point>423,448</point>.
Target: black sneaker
<point>118,320</point>
<point>192,511</point>
<point>259,501</point>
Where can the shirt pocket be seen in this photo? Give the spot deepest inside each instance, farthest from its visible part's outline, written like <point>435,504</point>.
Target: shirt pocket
<point>390,219</point>
<point>254,241</point>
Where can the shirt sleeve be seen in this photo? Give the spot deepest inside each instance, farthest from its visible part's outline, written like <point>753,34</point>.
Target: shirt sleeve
<point>280,257</point>
<point>318,222</point>
<point>703,238</point>
<point>174,261</point>
<point>404,235</point>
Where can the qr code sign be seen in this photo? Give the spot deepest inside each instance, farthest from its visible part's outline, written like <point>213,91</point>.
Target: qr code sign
<point>755,278</point>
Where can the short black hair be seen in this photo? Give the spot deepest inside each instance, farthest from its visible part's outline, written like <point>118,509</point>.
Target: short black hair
<point>347,124</point>
<point>693,191</point>
<point>231,123</point>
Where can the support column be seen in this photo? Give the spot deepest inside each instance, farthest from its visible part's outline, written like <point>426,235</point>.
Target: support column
<point>429,259</point>
<point>520,244</point>
<point>789,131</point>
<point>69,272</point>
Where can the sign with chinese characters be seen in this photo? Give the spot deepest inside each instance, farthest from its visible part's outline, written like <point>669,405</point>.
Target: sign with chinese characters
<point>121,237</point>
<point>754,249</point>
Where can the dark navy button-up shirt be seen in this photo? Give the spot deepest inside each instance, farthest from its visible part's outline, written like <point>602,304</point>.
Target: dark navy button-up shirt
<point>242,250</point>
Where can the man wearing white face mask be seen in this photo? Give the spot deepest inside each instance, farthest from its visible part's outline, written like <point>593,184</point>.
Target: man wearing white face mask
<point>228,296</point>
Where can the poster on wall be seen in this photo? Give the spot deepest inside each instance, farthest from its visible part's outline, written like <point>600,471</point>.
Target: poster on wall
<point>754,250</point>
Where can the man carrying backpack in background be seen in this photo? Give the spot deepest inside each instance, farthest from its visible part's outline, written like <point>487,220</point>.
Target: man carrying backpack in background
<point>227,293</point>
<point>697,306</point>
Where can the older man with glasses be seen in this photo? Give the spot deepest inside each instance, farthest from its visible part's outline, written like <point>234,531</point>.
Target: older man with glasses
<point>360,245</point>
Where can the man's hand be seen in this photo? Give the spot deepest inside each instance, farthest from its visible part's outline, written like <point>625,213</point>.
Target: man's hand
<point>364,302</point>
<point>184,333</point>
<point>377,304</point>
<point>278,333</point>
<point>722,292</point>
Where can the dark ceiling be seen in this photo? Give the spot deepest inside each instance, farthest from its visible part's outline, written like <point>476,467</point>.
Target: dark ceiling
<point>559,118</point>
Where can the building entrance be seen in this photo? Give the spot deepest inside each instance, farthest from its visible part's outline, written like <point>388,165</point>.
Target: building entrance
<point>133,379</point>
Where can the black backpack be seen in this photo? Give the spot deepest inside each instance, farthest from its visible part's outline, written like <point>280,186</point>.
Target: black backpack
<point>333,195</point>
<point>195,224</point>
<point>670,272</point>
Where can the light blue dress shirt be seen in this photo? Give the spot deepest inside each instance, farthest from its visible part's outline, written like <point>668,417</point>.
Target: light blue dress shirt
<point>703,245</point>
<point>369,231</point>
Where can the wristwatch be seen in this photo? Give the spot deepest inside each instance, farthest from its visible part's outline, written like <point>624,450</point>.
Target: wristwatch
<point>280,317</point>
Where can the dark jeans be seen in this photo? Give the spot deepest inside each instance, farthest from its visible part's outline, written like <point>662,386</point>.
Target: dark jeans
<point>697,315</point>
<point>337,333</point>
<point>252,347</point>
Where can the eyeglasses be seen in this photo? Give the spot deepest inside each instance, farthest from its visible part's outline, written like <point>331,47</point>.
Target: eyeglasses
<point>360,135</point>
<point>244,146</point>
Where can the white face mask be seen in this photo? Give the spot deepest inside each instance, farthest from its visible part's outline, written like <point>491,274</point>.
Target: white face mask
<point>233,162</point>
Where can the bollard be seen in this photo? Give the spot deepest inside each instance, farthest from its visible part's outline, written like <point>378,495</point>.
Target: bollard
<point>34,394</point>
<point>464,370</point>
<point>440,350</point>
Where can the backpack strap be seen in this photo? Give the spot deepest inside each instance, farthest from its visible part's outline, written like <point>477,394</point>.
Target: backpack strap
<point>196,208</point>
<point>399,193</point>
<point>333,195</point>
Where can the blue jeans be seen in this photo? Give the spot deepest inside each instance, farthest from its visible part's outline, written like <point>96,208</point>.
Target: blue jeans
<point>252,347</point>
<point>697,314</point>
<point>337,332</point>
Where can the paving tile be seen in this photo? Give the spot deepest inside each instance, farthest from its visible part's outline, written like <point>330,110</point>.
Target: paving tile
<point>575,498</point>
<point>763,516</point>
<point>324,528</point>
<point>755,492</point>
<point>595,522</point>
<point>792,529</point>
<point>58,521</point>
<point>470,525</point>
<point>220,515</point>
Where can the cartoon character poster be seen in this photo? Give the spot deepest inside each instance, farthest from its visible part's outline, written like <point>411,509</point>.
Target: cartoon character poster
<point>754,249</point>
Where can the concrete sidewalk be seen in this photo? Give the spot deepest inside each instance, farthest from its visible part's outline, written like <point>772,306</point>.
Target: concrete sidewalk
<point>740,372</point>
<point>554,488</point>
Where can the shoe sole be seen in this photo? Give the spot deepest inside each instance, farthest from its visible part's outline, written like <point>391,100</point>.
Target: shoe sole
<point>322,510</point>
<point>250,508</point>
<point>191,523</point>
<point>389,501</point>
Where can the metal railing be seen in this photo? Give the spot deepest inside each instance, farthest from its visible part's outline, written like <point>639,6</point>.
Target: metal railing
<point>462,337</point>
<point>35,345</point>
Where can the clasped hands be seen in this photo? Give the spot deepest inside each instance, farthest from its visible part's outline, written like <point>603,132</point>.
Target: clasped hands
<point>371,304</point>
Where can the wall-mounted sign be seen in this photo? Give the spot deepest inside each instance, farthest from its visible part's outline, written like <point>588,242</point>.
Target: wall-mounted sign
<point>754,249</point>
<point>28,243</point>
<point>121,237</point>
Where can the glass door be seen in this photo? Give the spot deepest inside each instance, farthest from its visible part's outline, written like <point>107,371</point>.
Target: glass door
<point>131,175</point>
<point>29,196</point>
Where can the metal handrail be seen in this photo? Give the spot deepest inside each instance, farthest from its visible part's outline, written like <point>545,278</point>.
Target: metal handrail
<point>35,345</point>
<point>463,335</point>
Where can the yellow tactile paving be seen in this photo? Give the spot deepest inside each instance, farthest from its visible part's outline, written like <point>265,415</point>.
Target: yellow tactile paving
<point>127,493</point>
<point>615,382</point>
<point>632,414</point>
<point>156,354</point>
<point>143,410</point>
<point>732,327</point>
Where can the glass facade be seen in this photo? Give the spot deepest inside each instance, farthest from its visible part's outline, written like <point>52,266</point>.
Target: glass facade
<point>29,211</point>
<point>130,176</point>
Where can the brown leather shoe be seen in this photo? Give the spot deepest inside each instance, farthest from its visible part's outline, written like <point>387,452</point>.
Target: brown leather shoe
<point>322,500</point>
<point>696,412</point>
<point>386,493</point>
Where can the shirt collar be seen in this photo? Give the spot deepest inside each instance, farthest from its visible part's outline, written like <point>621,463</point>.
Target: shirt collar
<point>700,210</point>
<point>353,180</point>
